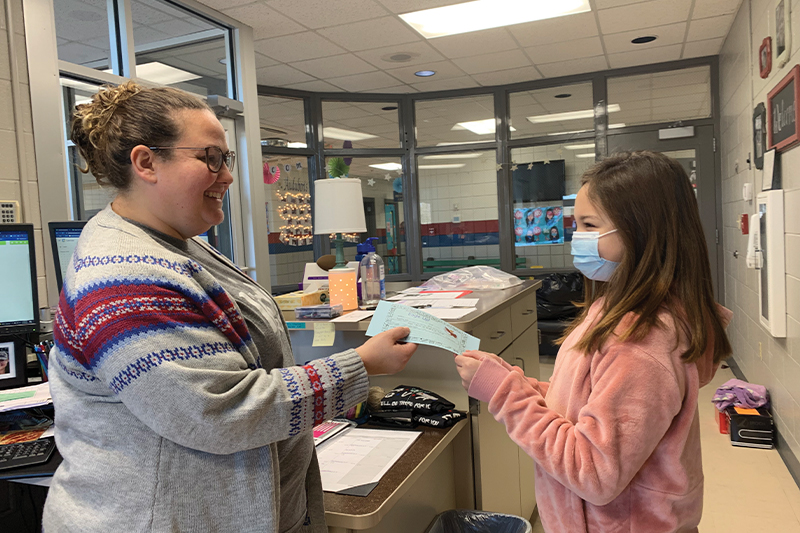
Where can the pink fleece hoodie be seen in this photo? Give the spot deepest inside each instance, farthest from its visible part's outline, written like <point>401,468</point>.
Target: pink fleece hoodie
<point>615,435</point>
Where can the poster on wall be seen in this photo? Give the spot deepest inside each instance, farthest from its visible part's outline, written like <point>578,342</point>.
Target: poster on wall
<point>392,264</point>
<point>538,226</point>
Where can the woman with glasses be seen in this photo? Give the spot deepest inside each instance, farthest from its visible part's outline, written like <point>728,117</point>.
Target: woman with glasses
<point>178,403</point>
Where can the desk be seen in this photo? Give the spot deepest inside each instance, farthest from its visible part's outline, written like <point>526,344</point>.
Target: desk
<point>492,473</point>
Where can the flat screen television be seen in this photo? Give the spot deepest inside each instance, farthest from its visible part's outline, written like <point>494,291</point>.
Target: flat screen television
<point>542,182</point>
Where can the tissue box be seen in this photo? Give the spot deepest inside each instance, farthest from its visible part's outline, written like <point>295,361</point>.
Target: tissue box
<point>752,428</point>
<point>288,302</point>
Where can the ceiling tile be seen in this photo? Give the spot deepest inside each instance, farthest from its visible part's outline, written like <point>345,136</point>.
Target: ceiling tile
<point>474,43</point>
<point>492,62</point>
<point>710,47</point>
<point>643,15</point>
<point>443,69</point>
<point>266,22</point>
<point>367,34</point>
<point>576,49</point>
<point>409,6</point>
<point>606,4</point>
<point>264,61</point>
<point>364,82</point>
<point>575,66</point>
<point>713,8</point>
<point>645,57</point>
<point>704,29</point>
<point>297,47</point>
<point>421,52</point>
<point>334,66</point>
<point>224,4</point>
<point>395,89</point>
<point>315,14</point>
<point>316,85</point>
<point>503,77</point>
<point>542,32</point>
<point>445,85</point>
<point>280,75</point>
<point>621,42</point>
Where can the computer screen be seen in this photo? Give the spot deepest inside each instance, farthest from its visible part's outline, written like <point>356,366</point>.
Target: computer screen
<point>19,297</point>
<point>64,238</point>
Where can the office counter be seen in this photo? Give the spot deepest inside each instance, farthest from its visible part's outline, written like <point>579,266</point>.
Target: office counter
<point>490,471</point>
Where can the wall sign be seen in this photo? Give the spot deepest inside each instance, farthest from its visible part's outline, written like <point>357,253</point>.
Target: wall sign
<point>783,32</point>
<point>759,134</point>
<point>784,113</point>
<point>765,57</point>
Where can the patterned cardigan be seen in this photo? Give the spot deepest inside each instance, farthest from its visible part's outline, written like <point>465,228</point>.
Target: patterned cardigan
<point>165,416</point>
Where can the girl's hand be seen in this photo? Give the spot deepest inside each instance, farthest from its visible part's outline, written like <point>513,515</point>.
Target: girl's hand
<point>385,353</point>
<point>467,364</point>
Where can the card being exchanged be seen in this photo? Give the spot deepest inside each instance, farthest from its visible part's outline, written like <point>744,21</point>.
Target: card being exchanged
<point>425,328</point>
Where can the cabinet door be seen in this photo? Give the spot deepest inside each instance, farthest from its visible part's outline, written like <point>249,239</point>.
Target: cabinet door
<point>526,356</point>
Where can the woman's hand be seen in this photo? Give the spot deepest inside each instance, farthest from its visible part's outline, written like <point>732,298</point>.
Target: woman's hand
<point>385,354</point>
<point>467,364</point>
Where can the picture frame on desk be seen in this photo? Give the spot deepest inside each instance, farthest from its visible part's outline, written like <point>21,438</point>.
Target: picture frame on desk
<point>12,371</point>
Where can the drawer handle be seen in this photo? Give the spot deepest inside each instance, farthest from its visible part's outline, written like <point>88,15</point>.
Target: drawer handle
<point>521,362</point>
<point>528,312</point>
<point>497,335</point>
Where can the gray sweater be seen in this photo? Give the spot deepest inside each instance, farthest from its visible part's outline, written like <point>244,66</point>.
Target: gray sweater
<point>178,404</point>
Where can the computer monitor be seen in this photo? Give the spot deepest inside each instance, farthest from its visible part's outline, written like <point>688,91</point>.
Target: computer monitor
<point>63,239</point>
<point>19,297</point>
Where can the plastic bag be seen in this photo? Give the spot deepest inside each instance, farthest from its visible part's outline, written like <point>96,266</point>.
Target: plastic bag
<point>554,298</point>
<point>462,521</point>
<point>476,278</point>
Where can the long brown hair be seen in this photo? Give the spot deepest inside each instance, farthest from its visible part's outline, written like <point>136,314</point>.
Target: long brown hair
<point>649,199</point>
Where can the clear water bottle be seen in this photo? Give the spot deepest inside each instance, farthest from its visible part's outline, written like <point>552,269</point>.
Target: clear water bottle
<point>373,277</point>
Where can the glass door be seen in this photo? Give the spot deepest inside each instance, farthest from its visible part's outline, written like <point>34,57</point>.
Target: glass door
<point>696,154</point>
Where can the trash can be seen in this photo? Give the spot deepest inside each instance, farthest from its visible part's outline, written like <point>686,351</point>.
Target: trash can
<point>465,521</point>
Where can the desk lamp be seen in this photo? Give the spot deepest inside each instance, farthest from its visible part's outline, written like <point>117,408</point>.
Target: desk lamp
<point>338,208</point>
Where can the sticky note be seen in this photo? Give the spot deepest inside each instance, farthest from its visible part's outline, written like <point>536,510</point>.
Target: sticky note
<point>324,334</point>
<point>744,411</point>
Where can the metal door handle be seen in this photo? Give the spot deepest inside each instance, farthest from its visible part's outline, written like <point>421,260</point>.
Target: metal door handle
<point>498,335</point>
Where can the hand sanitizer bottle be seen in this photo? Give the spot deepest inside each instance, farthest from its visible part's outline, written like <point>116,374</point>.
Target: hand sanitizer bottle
<point>373,277</point>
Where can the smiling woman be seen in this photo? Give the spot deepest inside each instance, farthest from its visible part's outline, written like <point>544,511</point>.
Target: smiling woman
<point>174,359</point>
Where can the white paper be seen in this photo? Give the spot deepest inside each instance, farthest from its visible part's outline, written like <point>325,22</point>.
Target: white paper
<point>769,169</point>
<point>448,314</point>
<point>41,397</point>
<point>412,290</point>
<point>354,316</point>
<point>361,456</point>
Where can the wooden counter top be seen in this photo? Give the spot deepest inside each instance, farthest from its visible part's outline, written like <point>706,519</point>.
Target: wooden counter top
<point>357,512</point>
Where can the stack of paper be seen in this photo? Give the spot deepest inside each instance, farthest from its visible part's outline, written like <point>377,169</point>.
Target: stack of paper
<point>25,397</point>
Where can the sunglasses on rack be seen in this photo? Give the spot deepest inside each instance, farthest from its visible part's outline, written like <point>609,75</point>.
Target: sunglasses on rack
<point>214,155</point>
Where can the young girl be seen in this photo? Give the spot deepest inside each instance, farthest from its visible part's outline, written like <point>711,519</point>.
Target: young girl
<point>615,433</point>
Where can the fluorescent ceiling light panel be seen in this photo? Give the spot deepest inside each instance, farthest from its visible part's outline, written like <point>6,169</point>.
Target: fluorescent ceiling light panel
<point>463,142</point>
<point>615,126</point>
<point>481,127</point>
<point>163,74</point>
<point>610,126</point>
<point>570,115</point>
<point>297,145</point>
<point>484,14</point>
<point>579,146</point>
<point>346,135</point>
<point>584,156</point>
<point>432,167</point>
<point>470,155</point>
<point>79,85</point>
<point>388,166</point>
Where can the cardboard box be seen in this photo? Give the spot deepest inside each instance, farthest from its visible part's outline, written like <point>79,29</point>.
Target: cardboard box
<point>752,428</point>
<point>288,302</point>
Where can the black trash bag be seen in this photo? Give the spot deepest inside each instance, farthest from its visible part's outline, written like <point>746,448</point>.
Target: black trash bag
<point>554,298</point>
<point>463,521</point>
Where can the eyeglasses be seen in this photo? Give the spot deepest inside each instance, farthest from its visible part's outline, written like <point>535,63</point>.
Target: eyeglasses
<point>214,155</point>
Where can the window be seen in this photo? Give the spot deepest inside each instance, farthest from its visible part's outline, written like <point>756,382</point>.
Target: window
<point>566,109</point>
<point>458,210</point>
<point>82,33</point>
<point>465,120</point>
<point>282,122</point>
<point>360,124</point>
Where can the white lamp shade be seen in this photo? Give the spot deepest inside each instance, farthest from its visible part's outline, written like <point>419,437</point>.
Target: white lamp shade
<point>338,206</point>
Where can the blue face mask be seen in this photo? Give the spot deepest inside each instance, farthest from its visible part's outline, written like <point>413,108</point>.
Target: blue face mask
<point>586,257</point>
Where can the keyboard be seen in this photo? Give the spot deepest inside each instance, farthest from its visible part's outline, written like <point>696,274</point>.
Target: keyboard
<point>26,453</point>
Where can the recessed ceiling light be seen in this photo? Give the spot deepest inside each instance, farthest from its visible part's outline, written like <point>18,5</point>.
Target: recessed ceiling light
<point>585,156</point>
<point>563,95</point>
<point>481,127</point>
<point>297,145</point>
<point>162,74</point>
<point>346,135</point>
<point>389,108</point>
<point>435,167</point>
<point>570,115</point>
<point>469,155</point>
<point>644,40</point>
<point>425,73</point>
<point>388,166</point>
<point>578,146</point>
<point>484,14</point>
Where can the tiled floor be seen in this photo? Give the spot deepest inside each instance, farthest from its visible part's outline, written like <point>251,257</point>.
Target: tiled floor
<point>746,489</point>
